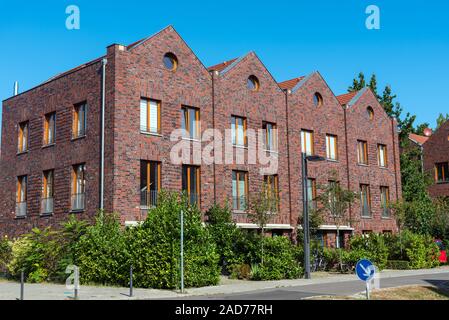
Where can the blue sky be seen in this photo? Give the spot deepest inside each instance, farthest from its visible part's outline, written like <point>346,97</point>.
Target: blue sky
<point>410,51</point>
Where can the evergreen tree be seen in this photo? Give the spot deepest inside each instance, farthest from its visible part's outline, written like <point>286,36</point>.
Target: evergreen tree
<point>441,120</point>
<point>358,84</point>
<point>387,102</point>
<point>373,85</point>
<point>421,127</point>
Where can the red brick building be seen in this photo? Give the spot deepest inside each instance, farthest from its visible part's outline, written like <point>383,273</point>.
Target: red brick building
<point>436,160</point>
<point>53,163</point>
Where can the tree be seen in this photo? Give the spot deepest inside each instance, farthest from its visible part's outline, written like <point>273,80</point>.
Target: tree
<point>334,200</point>
<point>441,120</point>
<point>262,209</point>
<point>358,84</point>
<point>420,128</point>
<point>373,85</point>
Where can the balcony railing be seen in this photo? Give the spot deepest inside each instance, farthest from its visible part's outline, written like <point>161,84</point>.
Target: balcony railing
<point>21,209</point>
<point>78,201</point>
<point>47,206</point>
<point>240,203</point>
<point>148,199</point>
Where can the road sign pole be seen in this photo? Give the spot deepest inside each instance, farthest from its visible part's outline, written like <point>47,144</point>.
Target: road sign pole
<point>367,290</point>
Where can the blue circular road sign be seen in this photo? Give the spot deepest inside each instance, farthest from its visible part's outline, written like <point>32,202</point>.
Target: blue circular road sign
<point>365,270</point>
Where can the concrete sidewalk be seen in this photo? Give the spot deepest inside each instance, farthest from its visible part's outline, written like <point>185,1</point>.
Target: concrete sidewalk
<point>11,290</point>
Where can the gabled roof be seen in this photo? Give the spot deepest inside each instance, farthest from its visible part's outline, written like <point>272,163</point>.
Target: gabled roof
<point>418,139</point>
<point>344,99</point>
<point>221,66</point>
<point>290,84</point>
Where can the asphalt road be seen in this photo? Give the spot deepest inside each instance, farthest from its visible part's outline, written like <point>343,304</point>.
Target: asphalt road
<point>341,288</point>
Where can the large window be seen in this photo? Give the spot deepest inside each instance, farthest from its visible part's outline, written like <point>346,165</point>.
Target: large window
<point>307,142</point>
<point>271,136</point>
<point>49,128</point>
<point>23,137</point>
<point>238,128</point>
<point>78,187</point>
<point>79,121</point>
<point>385,201</point>
<point>382,155</point>
<point>191,183</point>
<point>47,205</point>
<point>272,185</point>
<point>22,194</point>
<point>442,172</point>
<point>331,147</point>
<point>362,152</point>
<point>191,122</point>
<point>150,183</point>
<point>150,116</point>
<point>311,194</point>
<point>240,190</point>
<point>365,200</point>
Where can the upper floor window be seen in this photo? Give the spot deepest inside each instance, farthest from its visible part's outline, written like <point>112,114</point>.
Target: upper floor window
<point>150,183</point>
<point>78,187</point>
<point>331,147</point>
<point>191,183</point>
<point>253,83</point>
<point>191,122</point>
<point>49,128</point>
<point>311,194</point>
<point>79,121</point>
<point>442,172</point>
<point>150,116</point>
<point>307,142</point>
<point>23,137</point>
<point>170,61</point>
<point>271,136</point>
<point>370,113</point>
<point>238,128</point>
<point>22,194</point>
<point>382,155</point>
<point>385,201</point>
<point>362,152</point>
<point>317,100</point>
<point>365,200</point>
<point>48,188</point>
<point>272,185</point>
<point>239,190</point>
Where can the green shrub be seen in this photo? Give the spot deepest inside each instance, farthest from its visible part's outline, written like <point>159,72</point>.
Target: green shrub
<point>333,257</point>
<point>155,247</point>
<point>36,254</point>
<point>398,265</point>
<point>240,271</point>
<point>420,250</point>
<point>280,261</point>
<point>371,247</point>
<point>5,254</point>
<point>101,253</point>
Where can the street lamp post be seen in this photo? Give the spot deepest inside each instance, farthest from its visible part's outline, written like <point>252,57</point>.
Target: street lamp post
<point>305,223</point>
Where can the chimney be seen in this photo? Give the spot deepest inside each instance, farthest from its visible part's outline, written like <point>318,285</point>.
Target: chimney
<point>16,88</point>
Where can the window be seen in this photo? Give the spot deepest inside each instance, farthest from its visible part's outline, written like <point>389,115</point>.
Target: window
<point>370,113</point>
<point>191,183</point>
<point>22,194</point>
<point>311,194</point>
<point>239,190</point>
<point>317,100</point>
<point>362,152</point>
<point>272,185</point>
<point>79,121</point>
<point>253,83</point>
<point>238,128</point>
<point>382,155</point>
<point>442,172</point>
<point>47,192</point>
<point>49,128</point>
<point>307,142</point>
<point>150,116</point>
<point>191,122</point>
<point>23,137</point>
<point>331,147</point>
<point>385,201</point>
<point>78,187</point>
<point>150,183</point>
<point>365,200</point>
<point>170,61</point>
<point>271,136</point>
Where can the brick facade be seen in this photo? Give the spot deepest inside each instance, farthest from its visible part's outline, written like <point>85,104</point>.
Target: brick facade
<point>136,72</point>
<point>436,150</point>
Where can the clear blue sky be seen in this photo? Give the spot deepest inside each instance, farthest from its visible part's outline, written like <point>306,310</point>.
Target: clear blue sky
<point>293,38</point>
